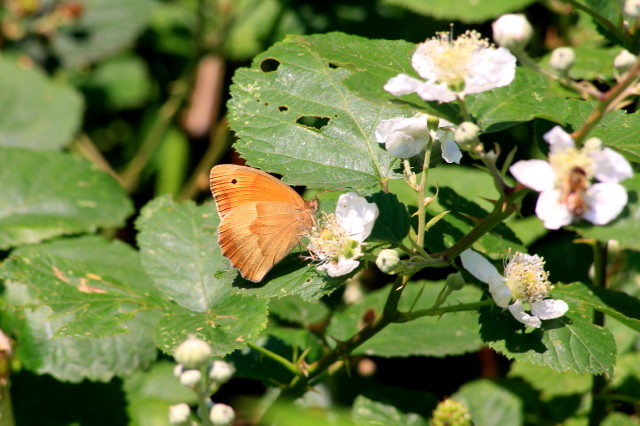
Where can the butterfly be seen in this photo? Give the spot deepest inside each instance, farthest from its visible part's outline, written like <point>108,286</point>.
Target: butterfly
<point>261,218</point>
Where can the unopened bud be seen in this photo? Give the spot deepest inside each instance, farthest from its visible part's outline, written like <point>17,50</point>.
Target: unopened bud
<point>387,261</point>
<point>562,59</point>
<point>512,31</point>
<point>190,378</point>
<point>221,415</point>
<point>624,62</point>
<point>455,281</point>
<point>193,353</point>
<point>178,370</point>
<point>466,133</point>
<point>220,372</point>
<point>632,8</point>
<point>433,123</point>
<point>179,414</point>
<point>451,412</point>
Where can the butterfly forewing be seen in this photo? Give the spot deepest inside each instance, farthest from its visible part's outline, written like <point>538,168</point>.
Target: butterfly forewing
<point>234,185</point>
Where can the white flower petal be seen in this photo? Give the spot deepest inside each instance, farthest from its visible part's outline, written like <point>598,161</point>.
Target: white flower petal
<point>450,151</point>
<point>341,267</point>
<point>606,201</point>
<point>431,91</point>
<point>611,166</point>
<point>553,213</point>
<point>489,69</point>
<point>517,310</point>
<point>500,292</point>
<point>402,84</point>
<point>403,137</point>
<point>422,60</point>
<point>549,308</point>
<point>536,174</point>
<point>478,266</point>
<point>356,215</point>
<point>558,139</point>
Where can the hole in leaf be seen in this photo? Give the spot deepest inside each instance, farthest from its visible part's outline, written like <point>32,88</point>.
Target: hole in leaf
<point>313,121</point>
<point>333,66</point>
<point>266,104</point>
<point>269,65</point>
<point>283,108</point>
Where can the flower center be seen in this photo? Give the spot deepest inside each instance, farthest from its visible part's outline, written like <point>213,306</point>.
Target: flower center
<point>330,240</point>
<point>526,277</point>
<point>451,58</point>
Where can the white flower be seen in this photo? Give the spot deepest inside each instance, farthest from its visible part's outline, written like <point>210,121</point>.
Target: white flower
<point>406,137</point>
<point>564,183</point>
<point>337,244</point>
<point>512,31</point>
<point>455,68</point>
<point>524,281</point>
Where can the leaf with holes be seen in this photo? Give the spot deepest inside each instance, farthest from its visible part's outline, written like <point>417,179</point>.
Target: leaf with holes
<point>294,116</point>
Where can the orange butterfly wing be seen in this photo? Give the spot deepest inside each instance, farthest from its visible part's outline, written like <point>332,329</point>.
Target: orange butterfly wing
<point>262,218</point>
<point>234,185</point>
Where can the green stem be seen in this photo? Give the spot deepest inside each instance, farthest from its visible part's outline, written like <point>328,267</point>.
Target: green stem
<point>203,395</point>
<point>389,314</point>
<point>277,358</point>
<point>422,189</point>
<point>437,311</point>
<point>610,26</point>
<point>611,97</point>
<point>502,210</point>
<point>217,148</point>
<point>600,382</point>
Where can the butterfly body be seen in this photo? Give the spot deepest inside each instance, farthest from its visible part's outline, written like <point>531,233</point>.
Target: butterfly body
<point>262,218</point>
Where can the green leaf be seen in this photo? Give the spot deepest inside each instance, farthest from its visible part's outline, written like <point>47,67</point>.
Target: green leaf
<point>451,334</point>
<point>119,83</point>
<point>92,285</point>
<point>71,360</point>
<point>46,194</point>
<point>179,250</point>
<point>366,411</point>
<point>568,343</point>
<point>299,120</point>
<point>592,62</point>
<point>490,404</point>
<point>523,100</point>
<point>99,31</point>
<point>35,112</point>
<point>462,219</point>
<point>393,221</point>
<point>289,278</point>
<point>551,383</point>
<point>618,129</point>
<point>462,10</point>
<point>620,306</point>
<point>626,227</point>
<point>150,393</point>
<point>294,309</point>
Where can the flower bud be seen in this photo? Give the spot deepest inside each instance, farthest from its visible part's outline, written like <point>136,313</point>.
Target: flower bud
<point>455,281</point>
<point>220,372</point>
<point>387,261</point>
<point>179,414</point>
<point>632,8</point>
<point>178,370</point>
<point>466,133</point>
<point>190,378</point>
<point>451,412</point>
<point>512,31</point>
<point>562,59</point>
<point>193,353</point>
<point>221,415</point>
<point>624,61</point>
